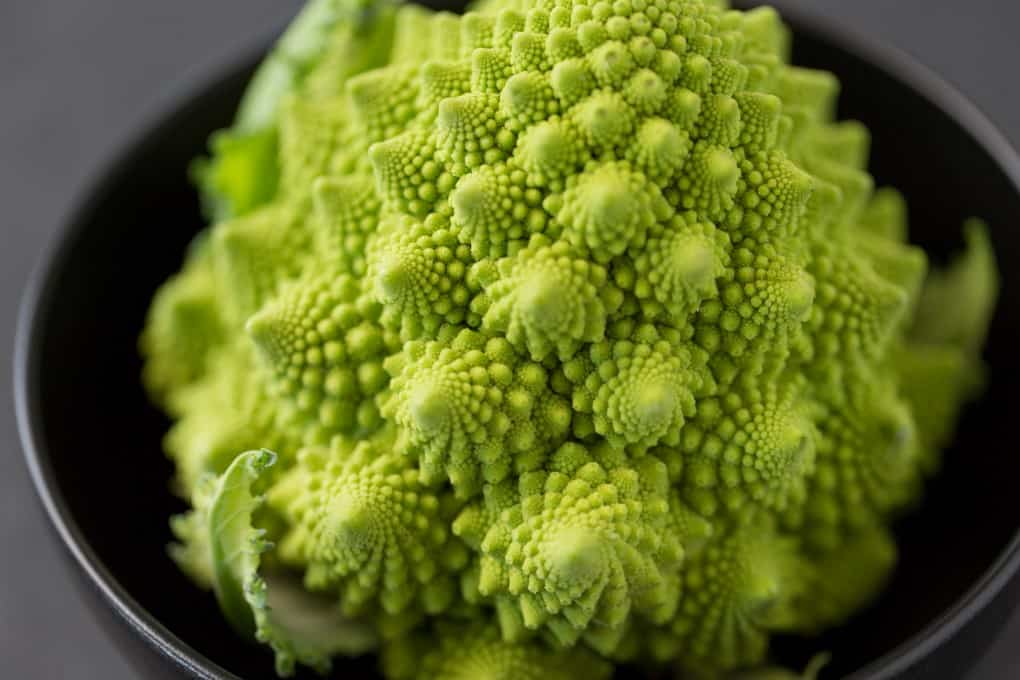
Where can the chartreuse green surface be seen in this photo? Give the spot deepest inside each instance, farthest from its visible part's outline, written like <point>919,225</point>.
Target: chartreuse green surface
<point>578,333</point>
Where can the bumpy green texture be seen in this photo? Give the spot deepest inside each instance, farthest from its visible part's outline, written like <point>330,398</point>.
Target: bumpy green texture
<point>580,336</point>
<point>220,533</point>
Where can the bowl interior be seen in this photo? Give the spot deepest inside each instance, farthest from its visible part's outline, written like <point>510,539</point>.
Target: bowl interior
<point>101,439</point>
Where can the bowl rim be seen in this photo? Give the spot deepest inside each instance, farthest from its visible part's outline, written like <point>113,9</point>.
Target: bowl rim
<point>204,78</point>
<point>155,120</point>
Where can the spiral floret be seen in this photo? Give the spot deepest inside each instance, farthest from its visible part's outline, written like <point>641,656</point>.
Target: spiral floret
<point>579,335</point>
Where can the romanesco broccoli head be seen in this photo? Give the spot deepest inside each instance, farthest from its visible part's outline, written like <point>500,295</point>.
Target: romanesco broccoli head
<point>579,334</point>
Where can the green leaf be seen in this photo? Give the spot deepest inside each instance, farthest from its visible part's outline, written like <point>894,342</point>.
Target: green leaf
<point>271,606</point>
<point>241,175</point>
<point>969,287</point>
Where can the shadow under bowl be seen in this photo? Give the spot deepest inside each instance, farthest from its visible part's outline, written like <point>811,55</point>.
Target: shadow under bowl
<point>92,440</point>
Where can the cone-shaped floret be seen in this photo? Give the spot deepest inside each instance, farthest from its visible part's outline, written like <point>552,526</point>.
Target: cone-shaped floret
<point>526,99</point>
<point>610,208</point>
<point>720,121</point>
<point>764,30</point>
<point>444,38</point>
<point>483,511</point>
<point>760,114</point>
<point>742,585</point>
<point>846,579</point>
<point>752,446</point>
<point>473,651</point>
<point>472,410</point>
<point>442,80</point>
<point>476,32</point>
<point>774,194</point>
<point>550,151</point>
<point>418,274</point>
<point>612,64</point>
<point>419,34</point>
<point>646,92</point>
<point>324,353</point>
<point>409,177</point>
<point>846,143</point>
<point>254,254</point>
<point>697,74</point>
<point>493,209</point>
<point>586,546</point>
<point>728,76</point>
<point>639,392</point>
<point>902,264</point>
<point>604,119</point>
<point>660,149</point>
<point>362,523</point>
<point>490,70</point>
<point>383,100</point>
<point>682,108</point>
<point>807,94</point>
<point>572,81</point>
<point>527,49</point>
<point>346,215</point>
<point>312,137</point>
<point>709,181</point>
<point>548,300</point>
<point>764,298</point>
<point>470,130</point>
<point>866,461</point>
<point>562,43</point>
<point>856,311</point>
<point>679,268</point>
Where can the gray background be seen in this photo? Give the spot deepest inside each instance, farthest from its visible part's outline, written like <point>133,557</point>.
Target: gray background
<point>76,77</point>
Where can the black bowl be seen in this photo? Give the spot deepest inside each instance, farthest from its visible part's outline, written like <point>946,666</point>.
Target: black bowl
<point>92,441</point>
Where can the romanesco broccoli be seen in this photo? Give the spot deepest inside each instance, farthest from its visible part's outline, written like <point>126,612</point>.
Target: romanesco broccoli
<point>579,335</point>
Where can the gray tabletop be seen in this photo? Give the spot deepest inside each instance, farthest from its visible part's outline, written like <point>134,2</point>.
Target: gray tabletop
<point>75,79</point>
